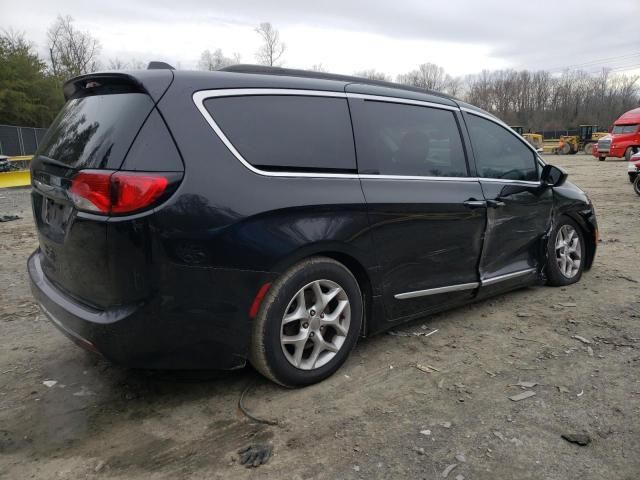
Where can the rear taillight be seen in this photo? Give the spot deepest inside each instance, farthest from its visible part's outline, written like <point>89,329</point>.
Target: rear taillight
<point>107,192</point>
<point>135,191</point>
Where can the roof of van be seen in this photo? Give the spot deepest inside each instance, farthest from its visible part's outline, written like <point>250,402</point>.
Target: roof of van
<point>292,72</point>
<point>630,117</point>
<point>156,81</point>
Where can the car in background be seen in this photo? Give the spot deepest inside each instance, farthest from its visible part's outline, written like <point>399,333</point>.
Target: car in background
<point>5,166</point>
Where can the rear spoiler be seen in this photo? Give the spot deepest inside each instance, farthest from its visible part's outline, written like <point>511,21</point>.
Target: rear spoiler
<point>152,82</point>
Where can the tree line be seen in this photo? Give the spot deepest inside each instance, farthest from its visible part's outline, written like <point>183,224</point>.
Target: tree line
<point>31,86</point>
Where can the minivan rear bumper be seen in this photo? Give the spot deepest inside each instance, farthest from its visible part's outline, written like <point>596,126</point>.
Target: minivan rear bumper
<point>150,334</point>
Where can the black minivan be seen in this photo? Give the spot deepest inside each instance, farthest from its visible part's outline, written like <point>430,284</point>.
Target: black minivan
<point>203,219</point>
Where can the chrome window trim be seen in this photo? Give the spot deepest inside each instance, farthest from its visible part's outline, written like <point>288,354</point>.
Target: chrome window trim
<point>507,276</point>
<point>435,291</point>
<point>409,177</point>
<point>404,101</point>
<point>464,286</point>
<point>200,96</point>
<point>515,182</point>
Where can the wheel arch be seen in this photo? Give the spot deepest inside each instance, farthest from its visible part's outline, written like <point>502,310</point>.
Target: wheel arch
<point>589,234</point>
<point>355,263</point>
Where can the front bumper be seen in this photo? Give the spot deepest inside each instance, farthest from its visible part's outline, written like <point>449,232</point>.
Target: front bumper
<point>161,333</point>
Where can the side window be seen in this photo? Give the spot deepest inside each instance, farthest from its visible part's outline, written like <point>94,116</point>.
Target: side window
<point>398,139</point>
<point>287,132</point>
<point>499,153</point>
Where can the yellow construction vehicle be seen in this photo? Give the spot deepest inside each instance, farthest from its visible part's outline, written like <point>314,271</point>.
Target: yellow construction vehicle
<point>535,139</point>
<point>14,171</point>
<point>583,142</point>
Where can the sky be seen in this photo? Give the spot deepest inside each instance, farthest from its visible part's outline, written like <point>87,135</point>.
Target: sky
<point>392,36</point>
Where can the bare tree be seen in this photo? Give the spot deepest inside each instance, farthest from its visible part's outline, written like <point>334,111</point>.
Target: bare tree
<point>15,41</point>
<point>137,64</point>
<point>71,52</point>
<point>272,47</point>
<point>428,75</point>
<point>133,64</point>
<point>373,74</point>
<point>117,64</point>
<point>318,67</point>
<point>216,60</point>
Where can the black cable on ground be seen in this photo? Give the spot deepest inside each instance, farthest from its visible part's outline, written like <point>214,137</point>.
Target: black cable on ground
<point>249,415</point>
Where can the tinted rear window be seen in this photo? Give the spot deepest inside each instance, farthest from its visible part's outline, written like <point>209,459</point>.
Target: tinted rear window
<point>96,131</point>
<point>277,132</point>
<point>398,139</point>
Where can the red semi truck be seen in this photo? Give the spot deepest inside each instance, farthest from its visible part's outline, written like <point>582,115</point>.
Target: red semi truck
<point>624,138</point>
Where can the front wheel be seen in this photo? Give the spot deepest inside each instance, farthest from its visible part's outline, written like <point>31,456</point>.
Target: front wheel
<point>636,185</point>
<point>565,253</point>
<point>308,323</point>
<point>627,154</point>
<point>601,158</point>
<point>588,149</point>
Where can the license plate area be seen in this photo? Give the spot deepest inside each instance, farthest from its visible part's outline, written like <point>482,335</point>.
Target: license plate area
<point>55,217</point>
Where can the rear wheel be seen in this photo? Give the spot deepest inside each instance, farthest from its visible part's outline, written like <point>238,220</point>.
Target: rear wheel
<point>588,148</point>
<point>636,185</point>
<point>565,253</point>
<point>565,149</point>
<point>308,323</point>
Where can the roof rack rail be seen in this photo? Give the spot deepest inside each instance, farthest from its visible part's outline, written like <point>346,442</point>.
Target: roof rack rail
<point>293,72</point>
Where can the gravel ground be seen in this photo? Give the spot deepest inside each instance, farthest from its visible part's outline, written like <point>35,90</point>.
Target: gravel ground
<point>379,416</point>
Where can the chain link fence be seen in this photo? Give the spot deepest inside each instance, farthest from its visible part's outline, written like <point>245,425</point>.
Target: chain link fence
<point>15,141</point>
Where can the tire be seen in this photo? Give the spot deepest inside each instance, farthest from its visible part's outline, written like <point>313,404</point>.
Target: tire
<point>627,153</point>
<point>602,159</point>
<point>275,354</point>
<point>566,149</point>
<point>575,250</point>
<point>588,149</point>
<point>636,185</point>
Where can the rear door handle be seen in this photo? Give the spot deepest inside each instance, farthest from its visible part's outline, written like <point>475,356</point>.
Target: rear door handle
<point>475,204</point>
<point>495,203</point>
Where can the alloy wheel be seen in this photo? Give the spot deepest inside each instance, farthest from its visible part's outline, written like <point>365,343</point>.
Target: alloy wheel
<point>315,324</point>
<point>568,251</point>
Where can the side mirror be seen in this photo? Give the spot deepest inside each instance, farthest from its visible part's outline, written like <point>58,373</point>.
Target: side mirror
<point>553,176</point>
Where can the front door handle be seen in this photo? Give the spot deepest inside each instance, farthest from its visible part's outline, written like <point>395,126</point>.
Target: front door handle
<point>475,204</point>
<point>495,203</point>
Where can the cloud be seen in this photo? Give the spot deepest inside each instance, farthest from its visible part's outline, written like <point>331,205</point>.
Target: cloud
<point>462,35</point>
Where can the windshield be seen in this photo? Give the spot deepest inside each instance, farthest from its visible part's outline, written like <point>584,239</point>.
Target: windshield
<point>96,131</point>
<point>618,129</point>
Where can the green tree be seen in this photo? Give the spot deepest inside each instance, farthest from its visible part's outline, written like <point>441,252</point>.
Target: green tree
<point>29,95</point>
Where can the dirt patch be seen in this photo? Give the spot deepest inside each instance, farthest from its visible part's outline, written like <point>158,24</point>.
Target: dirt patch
<point>379,416</point>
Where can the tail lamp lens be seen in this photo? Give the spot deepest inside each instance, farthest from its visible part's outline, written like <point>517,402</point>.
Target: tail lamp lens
<point>133,191</point>
<point>107,192</point>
